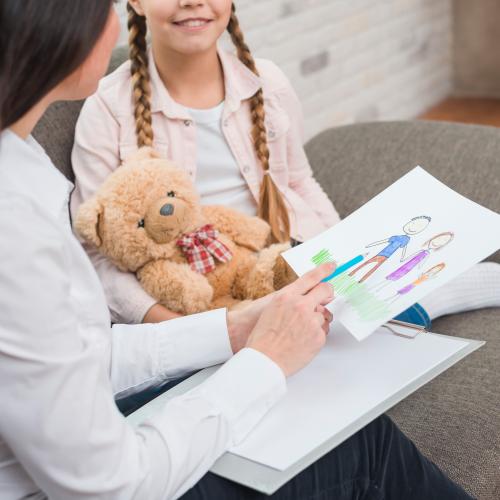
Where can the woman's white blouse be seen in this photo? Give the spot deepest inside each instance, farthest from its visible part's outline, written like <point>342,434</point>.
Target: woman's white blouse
<point>61,363</point>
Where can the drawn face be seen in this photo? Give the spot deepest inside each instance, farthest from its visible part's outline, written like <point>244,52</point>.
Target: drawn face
<point>416,225</point>
<point>439,241</point>
<point>433,271</point>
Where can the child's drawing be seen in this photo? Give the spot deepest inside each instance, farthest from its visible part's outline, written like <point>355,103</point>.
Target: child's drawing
<point>372,289</point>
<point>394,243</point>
<point>367,306</point>
<point>417,259</point>
<point>427,275</point>
<point>361,297</point>
<point>321,257</point>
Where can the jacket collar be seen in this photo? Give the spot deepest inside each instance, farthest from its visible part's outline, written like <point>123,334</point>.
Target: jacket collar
<point>240,84</point>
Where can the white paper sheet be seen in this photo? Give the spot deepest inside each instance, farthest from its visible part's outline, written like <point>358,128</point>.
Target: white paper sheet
<point>348,379</point>
<point>416,235</point>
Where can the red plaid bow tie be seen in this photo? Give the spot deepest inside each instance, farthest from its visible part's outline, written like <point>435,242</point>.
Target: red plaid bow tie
<point>200,245</point>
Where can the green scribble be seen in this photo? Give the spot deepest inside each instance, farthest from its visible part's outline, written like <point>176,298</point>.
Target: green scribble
<point>367,306</point>
<point>321,257</point>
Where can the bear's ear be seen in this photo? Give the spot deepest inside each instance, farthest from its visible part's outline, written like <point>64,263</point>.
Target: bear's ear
<point>87,221</point>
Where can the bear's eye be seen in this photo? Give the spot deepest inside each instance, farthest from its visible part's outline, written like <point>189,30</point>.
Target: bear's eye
<point>171,194</point>
<point>140,223</point>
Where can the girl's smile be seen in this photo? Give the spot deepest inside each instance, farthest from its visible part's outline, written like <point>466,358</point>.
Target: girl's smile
<point>187,27</point>
<point>192,24</point>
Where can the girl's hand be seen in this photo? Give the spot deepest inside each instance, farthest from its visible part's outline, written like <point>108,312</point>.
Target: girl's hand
<point>159,313</point>
<point>241,323</point>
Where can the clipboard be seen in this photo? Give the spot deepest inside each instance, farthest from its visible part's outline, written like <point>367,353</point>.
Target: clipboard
<point>404,329</point>
<point>266,479</point>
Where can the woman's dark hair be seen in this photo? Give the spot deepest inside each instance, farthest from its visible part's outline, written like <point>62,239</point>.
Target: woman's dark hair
<point>41,43</point>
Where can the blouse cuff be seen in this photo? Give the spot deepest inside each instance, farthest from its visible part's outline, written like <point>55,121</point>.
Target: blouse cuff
<point>194,342</point>
<point>244,390</point>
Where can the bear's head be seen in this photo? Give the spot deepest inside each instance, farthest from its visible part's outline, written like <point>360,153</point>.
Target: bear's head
<point>140,211</point>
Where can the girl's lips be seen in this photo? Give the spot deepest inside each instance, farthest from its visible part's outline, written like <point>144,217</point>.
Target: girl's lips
<point>191,25</point>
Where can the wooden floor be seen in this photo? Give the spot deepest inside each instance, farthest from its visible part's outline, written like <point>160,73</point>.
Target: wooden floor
<point>466,110</point>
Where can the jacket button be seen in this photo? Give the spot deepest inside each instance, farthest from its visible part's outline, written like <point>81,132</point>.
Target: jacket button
<point>187,123</point>
<point>246,169</point>
<point>272,134</point>
<point>226,123</point>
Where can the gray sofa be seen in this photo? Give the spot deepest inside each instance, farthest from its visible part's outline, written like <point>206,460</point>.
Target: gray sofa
<point>455,419</point>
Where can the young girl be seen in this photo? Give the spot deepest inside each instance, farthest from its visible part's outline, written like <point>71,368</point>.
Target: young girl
<point>233,123</point>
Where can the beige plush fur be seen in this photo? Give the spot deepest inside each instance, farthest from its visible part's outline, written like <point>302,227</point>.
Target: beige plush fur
<point>124,222</point>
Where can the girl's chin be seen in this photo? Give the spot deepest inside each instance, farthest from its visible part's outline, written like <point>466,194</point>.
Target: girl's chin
<point>195,46</point>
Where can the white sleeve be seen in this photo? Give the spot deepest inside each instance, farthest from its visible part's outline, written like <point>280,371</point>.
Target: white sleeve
<point>150,354</point>
<point>58,415</point>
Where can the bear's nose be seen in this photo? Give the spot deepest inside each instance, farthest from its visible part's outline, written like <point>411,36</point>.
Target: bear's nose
<point>167,209</point>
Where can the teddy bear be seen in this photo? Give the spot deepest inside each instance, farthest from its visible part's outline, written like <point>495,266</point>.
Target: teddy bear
<point>147,218</point>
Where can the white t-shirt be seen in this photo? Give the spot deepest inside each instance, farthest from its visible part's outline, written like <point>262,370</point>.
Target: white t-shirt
<point>218,177</point>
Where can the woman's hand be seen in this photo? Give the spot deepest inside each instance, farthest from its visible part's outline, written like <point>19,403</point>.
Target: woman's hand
<point>291,329</point>
<point>241,323</point>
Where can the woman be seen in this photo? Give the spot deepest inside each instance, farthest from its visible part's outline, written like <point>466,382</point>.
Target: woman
<point>61,434</point>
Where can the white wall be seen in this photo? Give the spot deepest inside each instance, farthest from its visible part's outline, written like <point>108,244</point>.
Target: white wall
<point>354,60</point>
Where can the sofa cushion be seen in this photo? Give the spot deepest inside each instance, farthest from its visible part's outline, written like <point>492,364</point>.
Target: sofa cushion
<point>355,162</point>
<point>455,419</point>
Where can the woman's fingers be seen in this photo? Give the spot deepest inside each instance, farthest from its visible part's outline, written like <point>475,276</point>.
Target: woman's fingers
<point>319,318</point>
<point>326,313</point>
<point>309,280</point>
<point>292,328</point>
<point>321,294</point>
<point>327,318</point>
<point>330,296</point>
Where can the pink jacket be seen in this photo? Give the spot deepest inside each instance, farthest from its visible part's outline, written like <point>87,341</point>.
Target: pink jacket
<point>105,135</point>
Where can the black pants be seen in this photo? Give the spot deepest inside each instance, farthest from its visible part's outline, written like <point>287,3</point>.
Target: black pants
<point>377,463</point>
<point>132,403</point>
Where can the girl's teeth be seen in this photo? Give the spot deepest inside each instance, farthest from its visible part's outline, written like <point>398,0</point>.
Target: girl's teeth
<point>193,24</point>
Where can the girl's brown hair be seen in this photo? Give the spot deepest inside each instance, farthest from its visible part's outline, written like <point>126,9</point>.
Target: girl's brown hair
<point>272,207</point>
